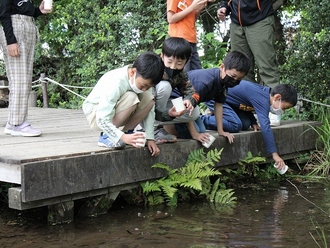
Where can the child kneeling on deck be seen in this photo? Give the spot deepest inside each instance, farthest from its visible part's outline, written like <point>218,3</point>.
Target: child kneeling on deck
<point>123,98</point>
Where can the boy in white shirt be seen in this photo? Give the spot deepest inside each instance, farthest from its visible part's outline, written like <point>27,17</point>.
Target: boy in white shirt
<point>123,98</point>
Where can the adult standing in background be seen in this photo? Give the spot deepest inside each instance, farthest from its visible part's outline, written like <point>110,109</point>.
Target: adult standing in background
<point>252,31</point>
<point>182,16</point>
<point>17,40</point>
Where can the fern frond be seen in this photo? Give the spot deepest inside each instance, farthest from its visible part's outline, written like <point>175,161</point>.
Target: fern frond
<point>148,187</point>
<point>172,201</point>
<point>192,170</point>
<point>195,184</point>
<point>250,159</point>
<point>196,155</point>
<point>206,186</point>
<point>209,172</point>
<point>214,190</point>
<point>167,188</point>
<point>161,166</point>
<point>225,196</point>
<point>214,156</point>
<point>155,199</point>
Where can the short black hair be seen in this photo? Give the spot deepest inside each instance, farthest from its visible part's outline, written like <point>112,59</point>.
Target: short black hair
<point>288,93</point>
<point>177,47</point>
<point>237,60</point>
<point>149,65</point>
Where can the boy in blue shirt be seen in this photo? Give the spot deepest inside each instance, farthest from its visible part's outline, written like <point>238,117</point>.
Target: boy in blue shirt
<point>123,98</point>
<point>212,84</point>
<point>247,97</point>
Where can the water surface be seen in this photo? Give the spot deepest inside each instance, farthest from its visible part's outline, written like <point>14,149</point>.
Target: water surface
<point>264,216</point>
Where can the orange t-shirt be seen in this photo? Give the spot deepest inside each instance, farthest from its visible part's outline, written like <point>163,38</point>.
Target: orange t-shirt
<point>184,28</point>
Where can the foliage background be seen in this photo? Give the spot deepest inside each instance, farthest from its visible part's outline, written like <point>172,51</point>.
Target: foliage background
<point>82,39</point>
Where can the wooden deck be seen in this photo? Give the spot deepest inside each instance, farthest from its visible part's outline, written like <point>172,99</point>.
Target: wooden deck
<point>65,163</point>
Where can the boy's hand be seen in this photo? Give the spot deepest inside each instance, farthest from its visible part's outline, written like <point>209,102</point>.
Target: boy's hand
<point>132,139</point>
<point>153,148</point>
<point>256,127</point>
<point>172,112</point>
<point>188,106</point>
<point>202,137</point>
<point>278,161</point>
<point>227,135</point>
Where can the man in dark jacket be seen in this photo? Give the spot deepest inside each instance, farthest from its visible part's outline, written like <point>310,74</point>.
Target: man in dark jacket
<point>252,32</point>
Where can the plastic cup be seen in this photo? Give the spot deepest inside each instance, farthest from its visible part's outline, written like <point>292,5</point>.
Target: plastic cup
<point>48,4</point>
<point>283,170</point>
<point>178,104</point>
<point>208,144</point>
<point>141,141</point>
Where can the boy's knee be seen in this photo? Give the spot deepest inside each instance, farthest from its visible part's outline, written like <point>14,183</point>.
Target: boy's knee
<point>237,127</point>
<point>163,87</point>
<point>209,122</point>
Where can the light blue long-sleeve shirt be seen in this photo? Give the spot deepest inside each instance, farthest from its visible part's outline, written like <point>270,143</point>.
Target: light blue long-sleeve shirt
<point>105,95</point>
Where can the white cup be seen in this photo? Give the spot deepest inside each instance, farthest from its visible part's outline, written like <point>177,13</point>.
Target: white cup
<point>48,4</point>
<point>178,104</point>
<point>208,144</point>
<point>141,141</point>
<point>283,170</point>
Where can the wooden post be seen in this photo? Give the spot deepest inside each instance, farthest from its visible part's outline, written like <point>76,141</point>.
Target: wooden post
<point>60,213</point>
<point>44,90</point>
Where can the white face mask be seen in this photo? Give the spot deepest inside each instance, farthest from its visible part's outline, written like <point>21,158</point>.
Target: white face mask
<point>276,111</point>
<point>135,88</point>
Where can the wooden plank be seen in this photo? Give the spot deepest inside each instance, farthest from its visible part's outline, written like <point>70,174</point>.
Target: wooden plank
<point>10,173</point>
<point>69,175</point>
<point>66,161</point>
<point>15,196</point>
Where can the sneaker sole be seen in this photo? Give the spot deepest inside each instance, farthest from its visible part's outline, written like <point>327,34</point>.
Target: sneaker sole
<point>100,144</point>
<point>16,133</point>
<point>165,141</point>
<point>7,131</point>
<point>274,125</point>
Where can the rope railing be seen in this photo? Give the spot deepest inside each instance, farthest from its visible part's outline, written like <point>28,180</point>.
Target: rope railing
<point>42,81</point>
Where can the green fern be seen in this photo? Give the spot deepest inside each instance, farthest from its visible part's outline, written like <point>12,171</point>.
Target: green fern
<point>168,187</point>
<point>225,196</point>
<point>193,179</point>
<point>249,166</point>
<point>155,199</point>
<point>214,190</point>
<point>161,166</point>
<point>194,183</point>
<point>150,187</point>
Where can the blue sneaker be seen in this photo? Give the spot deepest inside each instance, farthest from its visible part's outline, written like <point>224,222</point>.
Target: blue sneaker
<point>104,141</point>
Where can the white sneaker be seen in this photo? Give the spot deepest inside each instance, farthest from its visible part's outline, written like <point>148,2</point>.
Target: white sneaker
<point>275,120</point>
<point>25,130</point>
<point>8,129</point>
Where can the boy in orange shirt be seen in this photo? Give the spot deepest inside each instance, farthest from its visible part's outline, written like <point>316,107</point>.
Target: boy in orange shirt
<point>182,16</point>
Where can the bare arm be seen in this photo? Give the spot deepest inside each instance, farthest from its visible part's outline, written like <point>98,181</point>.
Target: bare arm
<point>201,137</point>
<point>218,112</point>
<point>195,6</point>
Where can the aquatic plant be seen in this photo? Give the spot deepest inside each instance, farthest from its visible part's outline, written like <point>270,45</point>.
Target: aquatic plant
<point>191,180</point>
<point>320,234</point>
<point>249,167</point>
<point>319,162</point>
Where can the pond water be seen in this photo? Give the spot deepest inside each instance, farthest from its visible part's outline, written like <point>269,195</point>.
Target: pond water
<point>268,215</point>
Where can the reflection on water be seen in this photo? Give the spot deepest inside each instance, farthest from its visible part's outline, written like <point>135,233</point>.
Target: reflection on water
<point>269,216</point>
